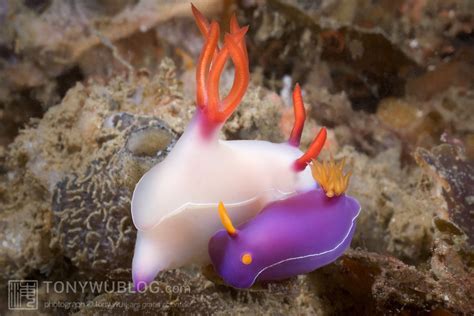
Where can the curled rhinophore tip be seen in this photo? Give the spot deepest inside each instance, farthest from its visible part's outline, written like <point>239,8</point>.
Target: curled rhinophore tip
<point>225,219</point>
<point>330,176</point>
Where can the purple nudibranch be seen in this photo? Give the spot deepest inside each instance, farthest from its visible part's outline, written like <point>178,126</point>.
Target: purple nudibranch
<point>288,237</point>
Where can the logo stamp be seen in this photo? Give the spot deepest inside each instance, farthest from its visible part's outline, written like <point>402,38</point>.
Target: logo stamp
<point>23,294</point>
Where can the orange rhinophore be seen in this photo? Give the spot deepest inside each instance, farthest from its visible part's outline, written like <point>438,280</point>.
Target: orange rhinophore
<point>300,117</point>
<point>313,150</point>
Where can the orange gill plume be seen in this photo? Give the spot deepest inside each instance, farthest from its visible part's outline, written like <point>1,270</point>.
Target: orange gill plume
<point>211,63</point>
<point>330,176</point>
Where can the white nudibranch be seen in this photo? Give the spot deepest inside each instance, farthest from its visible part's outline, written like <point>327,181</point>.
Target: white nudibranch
<point>174,204</point>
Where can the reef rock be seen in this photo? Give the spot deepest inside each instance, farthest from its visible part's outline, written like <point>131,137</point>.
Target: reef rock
<point>368,283</point>
<point>185,292</point>
<point>91,209</point>
<point>87,152</point>
<point>451,171</point>
<point>421,123</point>
<point>25,228</point>
<point>288,38</point>
<point>397,209</point>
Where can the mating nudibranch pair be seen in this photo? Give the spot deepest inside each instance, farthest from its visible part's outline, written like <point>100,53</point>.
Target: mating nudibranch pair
<point>173,205</point>
<point>292,236</point>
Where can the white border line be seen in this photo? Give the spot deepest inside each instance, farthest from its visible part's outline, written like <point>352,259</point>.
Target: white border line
<point>310,255</point>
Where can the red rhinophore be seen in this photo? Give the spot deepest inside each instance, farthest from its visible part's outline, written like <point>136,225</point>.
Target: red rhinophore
<point>215,110</point>
<point>312,152</point>
<point>300,117</point>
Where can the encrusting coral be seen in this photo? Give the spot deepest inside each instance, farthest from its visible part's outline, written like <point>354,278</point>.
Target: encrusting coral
<point>91,210</point>
<point>45,161</point>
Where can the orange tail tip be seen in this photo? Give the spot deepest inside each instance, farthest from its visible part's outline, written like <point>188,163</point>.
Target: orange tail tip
<point>212,62</point>
<point>300,117</point>
<point>312,152</point>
